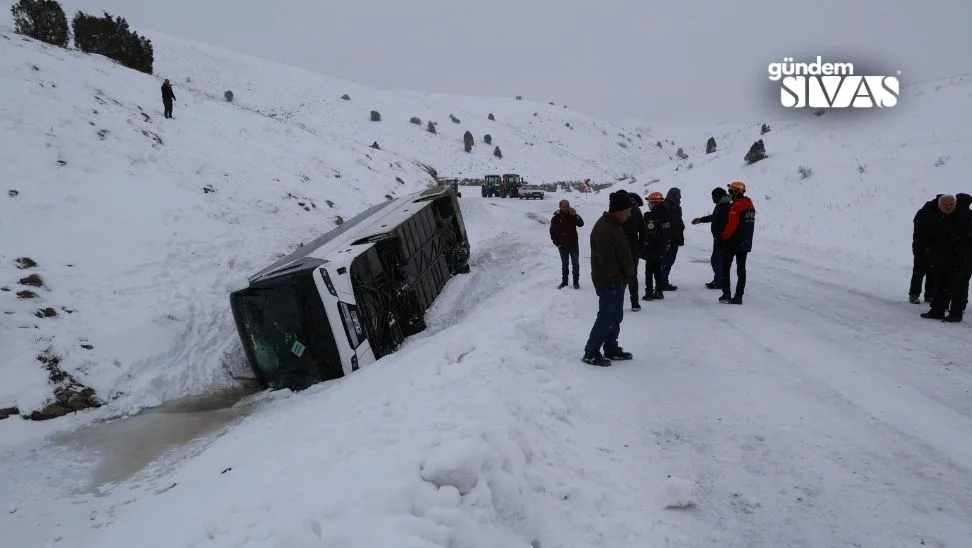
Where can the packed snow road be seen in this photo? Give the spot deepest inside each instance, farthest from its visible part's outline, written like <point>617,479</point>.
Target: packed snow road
<point>822,413</point>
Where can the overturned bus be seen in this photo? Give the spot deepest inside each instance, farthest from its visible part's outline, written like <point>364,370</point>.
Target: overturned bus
<point>352,295</point>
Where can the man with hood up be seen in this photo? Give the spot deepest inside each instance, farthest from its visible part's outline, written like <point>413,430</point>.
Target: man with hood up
<point>673,201</point>
<point>718,220</point>
<point>737,241</point>
<point>951,258</point>
<point>921,242</point>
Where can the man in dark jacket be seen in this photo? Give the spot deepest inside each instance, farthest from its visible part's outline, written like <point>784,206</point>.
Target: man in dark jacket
<point>611,270</point>
<point>920,250</point>
<point>673,200</point>
<point>167,98</point>
<point>951,258</point>
<point>718,220</point>
<point>737,241</point>
<point>634,229</point>
<point>657,241</point>
<point>563,233</point>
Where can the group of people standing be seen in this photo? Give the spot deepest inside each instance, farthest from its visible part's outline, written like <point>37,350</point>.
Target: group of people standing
<point>942,249</point>
<point>624,236</point>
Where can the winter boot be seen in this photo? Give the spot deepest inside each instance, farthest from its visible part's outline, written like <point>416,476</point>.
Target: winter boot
<point>669,287</point>
<point>618,354</point>
<point>736,300</point>
<point>576,285</point>
<point>934,315</point>
<point>913,299</point>
<point>596,359</point>
<point>635,306</point>
<point>713,285</point>
<point>725,298</point>
<point>657,295</point>
<point>953,317</point>
<point>562,285</point>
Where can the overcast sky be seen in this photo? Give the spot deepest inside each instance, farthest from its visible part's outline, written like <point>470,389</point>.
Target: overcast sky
<point>615,59</point>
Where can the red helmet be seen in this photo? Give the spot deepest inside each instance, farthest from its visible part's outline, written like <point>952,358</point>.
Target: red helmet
<point>656,198</point>
<point>737,186</point>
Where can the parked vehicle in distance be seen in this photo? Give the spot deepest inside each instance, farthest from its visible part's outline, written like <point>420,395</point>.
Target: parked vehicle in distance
<point>352,295</point>
<point>531,192</point>
<point>451,183</point>
<point>491,186</point>
<point>510,187</point>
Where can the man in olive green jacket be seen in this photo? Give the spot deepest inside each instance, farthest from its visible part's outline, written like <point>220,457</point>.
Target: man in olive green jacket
<point>612,269</point>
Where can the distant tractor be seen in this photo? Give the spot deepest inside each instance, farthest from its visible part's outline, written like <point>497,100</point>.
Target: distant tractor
<point>510,187</point>
<point>452,183</point>
<point>491,185</point>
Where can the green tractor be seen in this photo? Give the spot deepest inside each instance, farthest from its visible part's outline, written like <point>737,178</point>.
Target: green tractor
<point>510,187</point>
<point>491,186</point>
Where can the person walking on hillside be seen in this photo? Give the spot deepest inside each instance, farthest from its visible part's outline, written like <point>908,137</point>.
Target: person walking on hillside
<point>167,98</point>
<point>563,233</point>
<point>921,252</point>
<point>718,220</point>
<point>737,241</point>
<point>611,271</point>
<point>951,258</point>
<point>673,200</point>
<point>634,229</point>
<point>657,241</point>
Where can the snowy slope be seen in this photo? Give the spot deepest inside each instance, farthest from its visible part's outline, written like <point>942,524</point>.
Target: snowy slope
<point>538,140</point>
<point>137,223</point>
<point>871,171</point>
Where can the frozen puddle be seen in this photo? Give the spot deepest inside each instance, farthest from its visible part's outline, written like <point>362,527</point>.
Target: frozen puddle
<point>123,447</point>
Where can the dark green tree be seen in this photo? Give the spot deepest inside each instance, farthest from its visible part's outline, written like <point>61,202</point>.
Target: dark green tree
<point>42,20</point>
<point>111,36</point>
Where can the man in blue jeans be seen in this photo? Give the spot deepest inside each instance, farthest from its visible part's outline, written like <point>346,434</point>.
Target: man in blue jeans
<point>563,234</point>
<point>612,269</point>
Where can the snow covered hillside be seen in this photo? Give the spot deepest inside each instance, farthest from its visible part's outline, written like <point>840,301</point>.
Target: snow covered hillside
<point>815,415</point>
<point>823,413</point>
<point>868,171</point>
<point>136,223</point>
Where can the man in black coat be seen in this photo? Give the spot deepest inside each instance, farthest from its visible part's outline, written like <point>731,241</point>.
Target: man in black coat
<point>921,251</point>
<point>673,202</point>
<point>657,242</point>
<point>167,98</point>
<point>718,220</point>
<point>634,229</point>
<point>951,258</point>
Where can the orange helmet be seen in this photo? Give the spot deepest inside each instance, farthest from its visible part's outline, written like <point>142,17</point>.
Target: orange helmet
<point>738,186</point>
<point>656,198</point>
